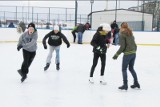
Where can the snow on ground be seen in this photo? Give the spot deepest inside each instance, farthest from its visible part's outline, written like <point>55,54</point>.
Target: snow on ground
<point>70,87</point>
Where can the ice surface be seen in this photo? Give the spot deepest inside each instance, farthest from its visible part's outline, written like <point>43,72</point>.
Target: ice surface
<point>70,87</point>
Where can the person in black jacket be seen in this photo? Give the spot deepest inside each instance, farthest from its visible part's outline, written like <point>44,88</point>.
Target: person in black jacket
<point>115,31</point>
<point>99,41</point>
<point>54,40</point>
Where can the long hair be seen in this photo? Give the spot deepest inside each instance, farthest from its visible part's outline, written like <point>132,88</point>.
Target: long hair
<point>125,29</point>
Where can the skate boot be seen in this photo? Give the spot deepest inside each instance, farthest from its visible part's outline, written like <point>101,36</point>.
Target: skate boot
<point>23,78</point>
<point>91,80</point>
<point>135,85</point>
<point>124,86</point>
<point>46,67</point>
<point>57,66</point>
<point>20,72</point>
<point>102,81</point>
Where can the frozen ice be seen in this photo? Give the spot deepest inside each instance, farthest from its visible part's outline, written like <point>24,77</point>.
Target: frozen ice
<point>70,87</point>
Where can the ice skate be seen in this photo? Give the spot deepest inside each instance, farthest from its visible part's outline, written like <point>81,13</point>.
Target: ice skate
<point>46,67</point>
<point>23,78</point>
<point>20,72</point>
<point>91,80</point>
<point>124,86</point>
<point>135,85</point>
<point>102,81</point>
<point>57,66</point>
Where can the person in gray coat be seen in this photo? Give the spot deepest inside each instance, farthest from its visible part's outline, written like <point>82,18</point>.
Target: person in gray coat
<point>27,42</point>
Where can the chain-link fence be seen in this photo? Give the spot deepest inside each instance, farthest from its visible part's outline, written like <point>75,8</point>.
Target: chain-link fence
<point>43,17</point>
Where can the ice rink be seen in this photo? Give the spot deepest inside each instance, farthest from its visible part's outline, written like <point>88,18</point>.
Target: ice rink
<point>70,87</point>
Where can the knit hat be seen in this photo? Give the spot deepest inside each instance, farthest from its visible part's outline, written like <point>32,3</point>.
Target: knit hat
<point>31,25</point>
<point>105,27</point>
<point>56,27</point>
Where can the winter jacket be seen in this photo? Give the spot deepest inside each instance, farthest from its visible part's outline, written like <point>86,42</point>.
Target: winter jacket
<point>127,44</point>
<point>81,28</point>
<point>55,39</point>
<point>28,42</point>
<point>99,41</point>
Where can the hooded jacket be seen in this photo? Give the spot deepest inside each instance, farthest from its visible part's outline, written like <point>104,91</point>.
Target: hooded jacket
<point>127,44</point>
<point>55,39</point>
<point>28,42</point>
<point>100,39</point>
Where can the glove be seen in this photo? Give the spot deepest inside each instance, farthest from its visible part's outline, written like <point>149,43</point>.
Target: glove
<point>68,45</point>
<point>115,56</point>
<point>98,48</point>
<point>45,46</point>
<point>19,47</point>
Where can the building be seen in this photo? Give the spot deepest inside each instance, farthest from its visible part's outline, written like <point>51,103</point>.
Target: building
<point>137,20</point>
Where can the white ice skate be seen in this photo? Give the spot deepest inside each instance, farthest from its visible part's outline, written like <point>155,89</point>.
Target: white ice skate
<point>91,80</point>
<point>102,81</point>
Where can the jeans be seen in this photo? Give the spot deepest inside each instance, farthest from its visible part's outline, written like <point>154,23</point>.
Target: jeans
<point>128,60</point>
<point>95,61</point>
<point>49,57</point>
<point>116,38</point>
<point>80,35</point>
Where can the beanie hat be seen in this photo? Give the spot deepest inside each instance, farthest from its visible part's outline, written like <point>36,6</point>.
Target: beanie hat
<point>56,27</point>
<point>105,27</point>
<point>31,25</point>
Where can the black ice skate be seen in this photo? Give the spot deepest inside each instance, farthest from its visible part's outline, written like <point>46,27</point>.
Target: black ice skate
<point>23,78</point>
<point>46,67</point>
<point>20,72</point>
<point>57,66</point>
<point>124,86</point>
<point>135,85</point>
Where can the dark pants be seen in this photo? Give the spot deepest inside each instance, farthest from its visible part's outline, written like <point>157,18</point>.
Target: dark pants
<point>27,60</point>
<point>128,60</point>
<point>74,36</point>
<point>95,61</point>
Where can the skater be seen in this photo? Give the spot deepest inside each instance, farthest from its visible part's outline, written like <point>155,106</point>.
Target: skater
<point>21,27</point>
<point>28,42</point>
<point>54,40</point>
<point>99,41</point>
<point>128,47</point>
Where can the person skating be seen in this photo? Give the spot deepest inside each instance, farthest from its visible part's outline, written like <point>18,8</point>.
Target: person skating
<point>21,27</point>
<point>55,38</point>
<point>99,42</point>
<point>28,42</point>
<point>128,47</point>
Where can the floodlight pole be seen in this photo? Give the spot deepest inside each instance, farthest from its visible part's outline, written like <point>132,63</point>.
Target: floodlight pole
<point>91,1</point>
<point>116,11</point>
<point>76,6</point>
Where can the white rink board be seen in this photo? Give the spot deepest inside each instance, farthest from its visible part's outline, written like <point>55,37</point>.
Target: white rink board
<point>11,35</point>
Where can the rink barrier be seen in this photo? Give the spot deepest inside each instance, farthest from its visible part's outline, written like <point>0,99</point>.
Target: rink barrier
<point>9,35</point>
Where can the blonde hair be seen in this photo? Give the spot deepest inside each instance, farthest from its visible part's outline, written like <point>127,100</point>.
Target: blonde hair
<point>125,29</point>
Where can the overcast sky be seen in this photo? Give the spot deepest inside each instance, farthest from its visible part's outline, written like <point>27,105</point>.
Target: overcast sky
<point>84,7</point>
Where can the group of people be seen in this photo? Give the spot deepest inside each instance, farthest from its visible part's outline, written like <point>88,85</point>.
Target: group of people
<point>100,43</point>
<point>79,29</point>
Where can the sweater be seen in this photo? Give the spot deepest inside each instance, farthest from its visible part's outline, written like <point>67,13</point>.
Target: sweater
<point>28,42</point>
